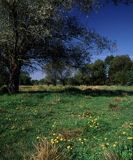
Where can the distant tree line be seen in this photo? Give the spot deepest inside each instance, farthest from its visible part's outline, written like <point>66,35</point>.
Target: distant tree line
<point>114,70</point>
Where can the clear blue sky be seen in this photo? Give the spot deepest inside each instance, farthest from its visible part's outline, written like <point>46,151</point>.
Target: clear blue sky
<point>114,22</point>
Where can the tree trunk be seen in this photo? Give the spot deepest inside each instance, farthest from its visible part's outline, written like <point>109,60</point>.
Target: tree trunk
<point>14,79</point>
<point>54,83</point>
<point>63,82</point>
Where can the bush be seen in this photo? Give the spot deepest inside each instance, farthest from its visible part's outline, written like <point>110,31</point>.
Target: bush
<point>4,90</point>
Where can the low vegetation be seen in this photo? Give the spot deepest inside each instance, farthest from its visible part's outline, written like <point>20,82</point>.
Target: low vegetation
<point>83,123</point>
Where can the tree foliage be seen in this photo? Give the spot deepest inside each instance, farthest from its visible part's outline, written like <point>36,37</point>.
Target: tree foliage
<point>92,74</point>
<point>113,70</point>
<point>25,78</point>
<point>119,66</point>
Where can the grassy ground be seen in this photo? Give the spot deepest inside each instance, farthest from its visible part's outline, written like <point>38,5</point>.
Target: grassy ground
<point>89,123</point>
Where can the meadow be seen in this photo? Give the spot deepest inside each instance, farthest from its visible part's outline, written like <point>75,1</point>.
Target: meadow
<point>83,123</point>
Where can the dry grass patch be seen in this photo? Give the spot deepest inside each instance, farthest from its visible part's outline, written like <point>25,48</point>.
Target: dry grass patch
<point>111,156</point>
<point>47,151</point>
<point>88,113</point>
<point>118,100</point>
<point>69,134</point>
<point>89,87</point>
<point>127,125</point>
<point>114,107</point>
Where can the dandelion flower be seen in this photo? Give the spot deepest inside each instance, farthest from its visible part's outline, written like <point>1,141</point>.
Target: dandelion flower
<point>103,146</point>
<point>114,145</point>
<point>61,139</point>
<point>68,147</point>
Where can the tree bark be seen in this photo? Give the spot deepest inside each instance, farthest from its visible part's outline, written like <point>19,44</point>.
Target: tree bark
<point>15,66</point>
<point>14,79</point>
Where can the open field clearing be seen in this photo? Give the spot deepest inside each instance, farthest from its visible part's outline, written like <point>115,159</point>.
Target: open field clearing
<point>81,123</point>
<point>82,87</point>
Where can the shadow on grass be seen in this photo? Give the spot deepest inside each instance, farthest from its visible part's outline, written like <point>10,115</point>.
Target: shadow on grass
<point>90,92</point>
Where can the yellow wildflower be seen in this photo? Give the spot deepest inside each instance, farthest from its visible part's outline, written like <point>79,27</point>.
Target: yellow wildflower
<point>130,138</point>
<point>68,147</point>
<point>61,139</point>
<point>114,145</point>
<point>107,144</point>
<point>56,141</point>
<point>103,146</point>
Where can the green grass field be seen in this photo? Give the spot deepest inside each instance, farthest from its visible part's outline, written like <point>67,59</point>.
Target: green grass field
<point>87,123</point>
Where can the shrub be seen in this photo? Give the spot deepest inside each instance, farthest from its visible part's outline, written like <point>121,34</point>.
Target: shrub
<point>3,90</point>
